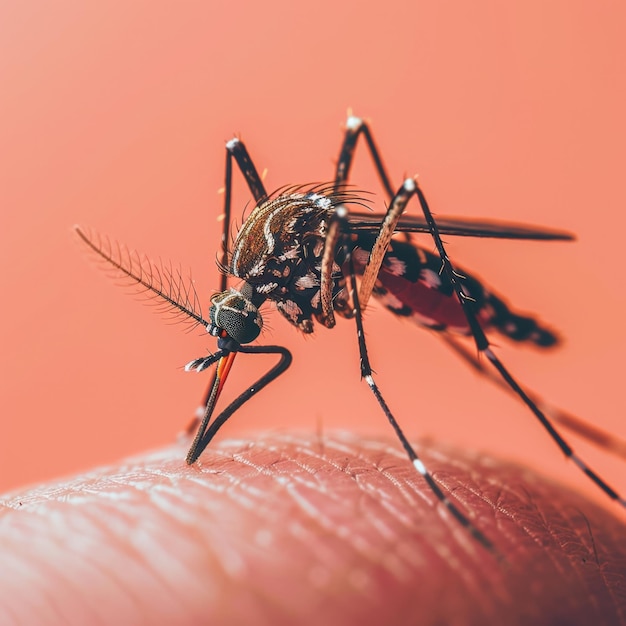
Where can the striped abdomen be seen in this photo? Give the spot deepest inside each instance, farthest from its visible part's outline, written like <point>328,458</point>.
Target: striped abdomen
<point>409,284</point>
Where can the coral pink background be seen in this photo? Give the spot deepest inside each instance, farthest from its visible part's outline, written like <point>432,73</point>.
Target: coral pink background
<point>114,115</point>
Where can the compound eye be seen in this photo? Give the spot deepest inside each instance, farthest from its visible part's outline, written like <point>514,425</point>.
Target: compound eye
<point>235,314</point>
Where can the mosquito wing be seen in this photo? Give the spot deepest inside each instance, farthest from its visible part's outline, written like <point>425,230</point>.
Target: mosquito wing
<point>461,226</point>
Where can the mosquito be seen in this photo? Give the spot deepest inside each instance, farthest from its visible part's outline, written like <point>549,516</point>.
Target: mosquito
<point>303,247</point>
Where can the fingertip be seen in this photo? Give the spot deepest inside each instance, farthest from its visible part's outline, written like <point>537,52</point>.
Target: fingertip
<point>306,528</point>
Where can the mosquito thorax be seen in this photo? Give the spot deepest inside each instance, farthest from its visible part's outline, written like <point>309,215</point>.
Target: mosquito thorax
<point>235,313</point>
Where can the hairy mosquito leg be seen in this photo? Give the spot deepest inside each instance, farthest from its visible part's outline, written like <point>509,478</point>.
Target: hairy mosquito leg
<point>333,234</point>
<point>483,346</point>
<point>383,239</point>
<point>355,127</point>
<point>366,372</point>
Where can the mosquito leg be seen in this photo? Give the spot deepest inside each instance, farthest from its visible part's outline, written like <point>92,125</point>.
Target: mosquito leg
<point>355,126</point>
<point>207,431</point>
<point>333,234</point>
<point>482,344</point>
<point>201,423</point>
<point>600,438</point>
<point>386,232</point>
<point>235,149</point>
<point>227,215</point>
<point>366,372</point>
<point>238,150</point>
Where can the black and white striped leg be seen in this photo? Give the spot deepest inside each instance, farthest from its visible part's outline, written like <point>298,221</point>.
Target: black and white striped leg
<point>366,372</point>
<point>482,344</point>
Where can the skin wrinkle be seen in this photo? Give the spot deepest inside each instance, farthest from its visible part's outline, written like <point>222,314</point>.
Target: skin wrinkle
<point>142,545</point>
<point>521,521</point>
<point>130,553</point>
<point>378,495</point>
<point>542,526</point>
<point>51,570</point>
<point>325,521</point>
<point>307,467</point>
<point>117,579</point>
<point>328,524</point>
<point>225,558</point>
<point>470,489</point>
<point>554,533</point>
<point>556,536</point>
<point>444,478</point>
<point>505,515</point>
<point>359,568</point>
<point>478,495</point>
<point>407,518</point>
<point>322,456</point>
<point>254,507</point>
<point>354,540</point>
<point>45,603</point>
<point>86,558</point>
<point>373,493</point>
<point>259,593</point>
<point>137,555</point>
<point>179,506</point>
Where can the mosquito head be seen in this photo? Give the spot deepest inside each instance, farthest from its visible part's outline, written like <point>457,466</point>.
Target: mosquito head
<point>234,312</point>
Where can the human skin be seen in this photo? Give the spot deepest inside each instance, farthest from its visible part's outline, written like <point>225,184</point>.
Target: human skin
<point>307,529</point>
